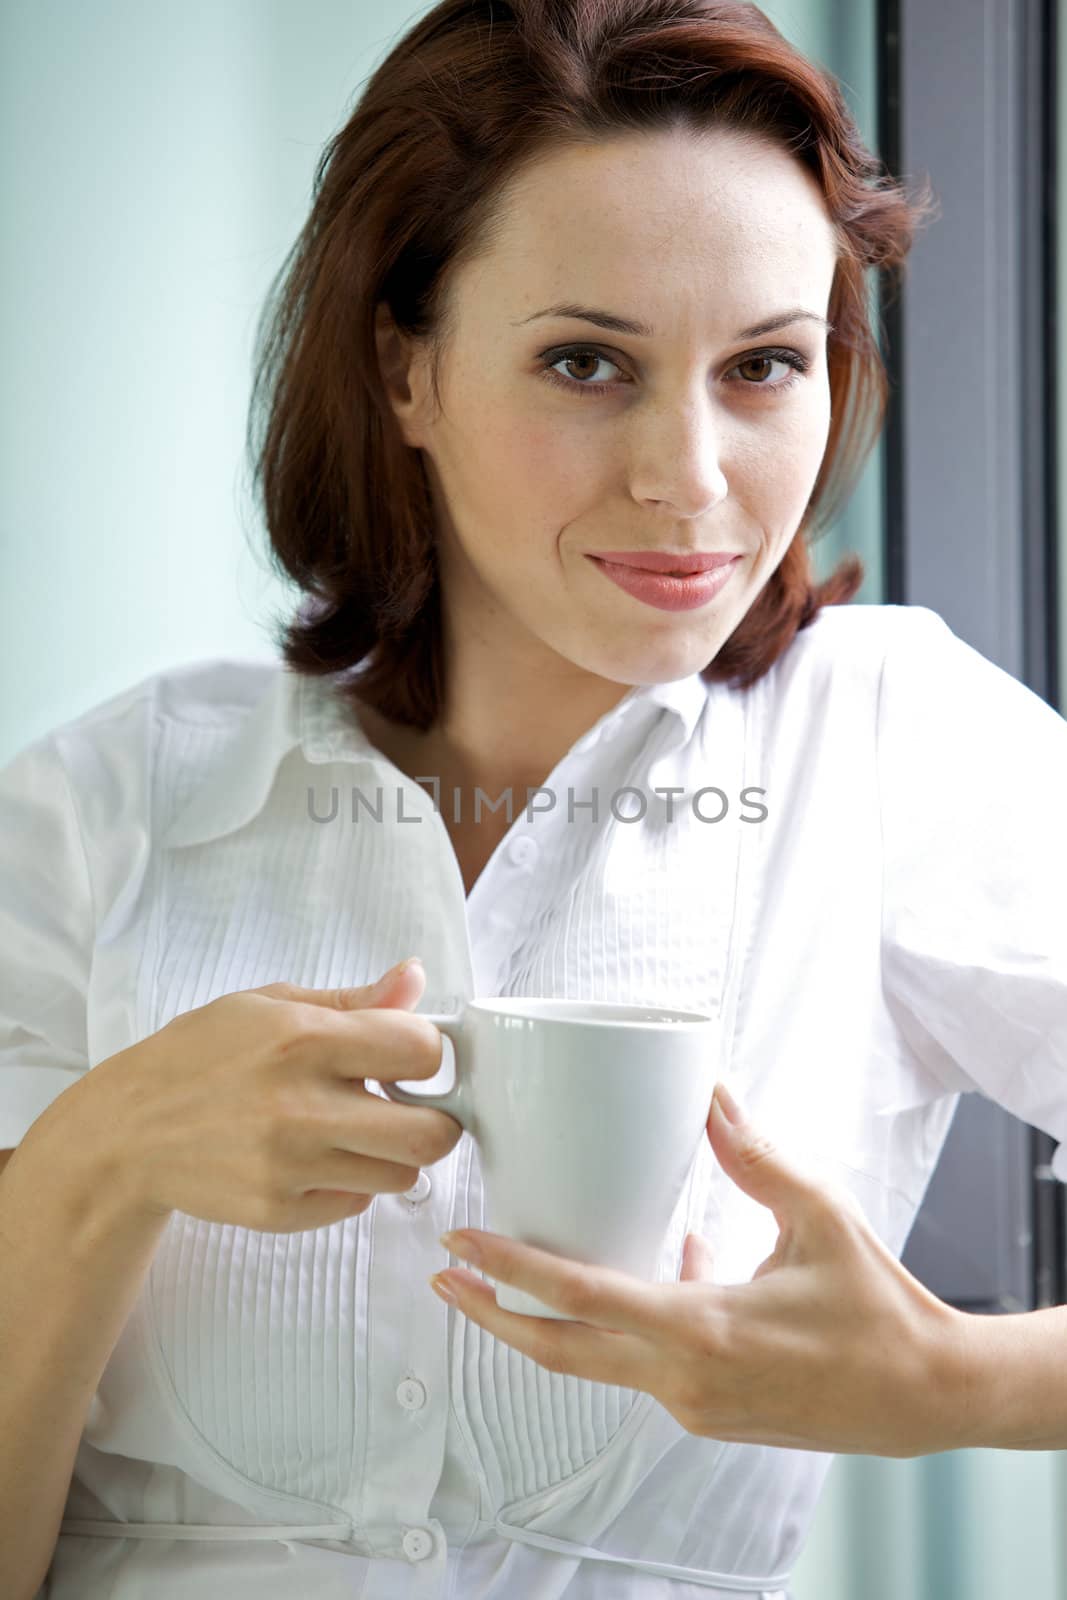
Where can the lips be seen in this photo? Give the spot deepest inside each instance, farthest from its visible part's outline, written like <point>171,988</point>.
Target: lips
<point>677,563</point>
<point>664,592</point>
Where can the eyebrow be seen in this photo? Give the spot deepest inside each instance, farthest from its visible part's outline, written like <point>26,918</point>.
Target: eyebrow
<point>641,330</point>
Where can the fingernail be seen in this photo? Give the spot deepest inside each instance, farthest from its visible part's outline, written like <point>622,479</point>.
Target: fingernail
<point>440,1286</point>
<point>728,1105</point>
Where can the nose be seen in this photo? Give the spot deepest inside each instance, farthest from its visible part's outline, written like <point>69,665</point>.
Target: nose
<point>679,459</point>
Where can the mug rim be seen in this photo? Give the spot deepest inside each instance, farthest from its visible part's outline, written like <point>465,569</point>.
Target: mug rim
<point>623,1013</point>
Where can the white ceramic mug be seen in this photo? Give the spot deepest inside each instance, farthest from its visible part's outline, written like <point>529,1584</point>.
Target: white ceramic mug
<point>587,1115</point>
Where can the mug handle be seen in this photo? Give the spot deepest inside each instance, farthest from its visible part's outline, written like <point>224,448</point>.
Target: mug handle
<point>456,1100</point>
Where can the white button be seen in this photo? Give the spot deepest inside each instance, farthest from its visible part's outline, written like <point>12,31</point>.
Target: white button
<point>411,1394</point>
<point>421,1189</point>
<point>417,1544</point>
<point>523,849</point>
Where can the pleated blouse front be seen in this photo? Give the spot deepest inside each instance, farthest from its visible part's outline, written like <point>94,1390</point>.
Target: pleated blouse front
<point>298,1413</point>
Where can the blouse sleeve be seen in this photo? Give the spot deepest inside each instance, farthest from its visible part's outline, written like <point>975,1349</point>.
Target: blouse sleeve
<point>973,783</point>
<point>46,938</point>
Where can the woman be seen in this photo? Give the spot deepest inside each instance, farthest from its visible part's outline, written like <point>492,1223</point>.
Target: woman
<point>581,285</point>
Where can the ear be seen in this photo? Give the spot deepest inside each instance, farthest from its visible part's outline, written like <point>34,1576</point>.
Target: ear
<point>403,374</point>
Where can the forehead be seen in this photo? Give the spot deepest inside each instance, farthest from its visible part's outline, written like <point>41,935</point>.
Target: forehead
<point>703,209</point>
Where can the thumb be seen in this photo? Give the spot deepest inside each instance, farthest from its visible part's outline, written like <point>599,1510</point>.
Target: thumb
<point>698,1263</point>
<point>398,988</point>
<point>752,1161</point>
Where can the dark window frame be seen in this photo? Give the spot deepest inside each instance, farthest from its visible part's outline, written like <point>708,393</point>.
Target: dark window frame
<point>971,515</point>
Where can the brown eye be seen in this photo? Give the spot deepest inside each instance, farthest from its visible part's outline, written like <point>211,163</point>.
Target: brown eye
<point>575,357</point>
<point>757,361</point>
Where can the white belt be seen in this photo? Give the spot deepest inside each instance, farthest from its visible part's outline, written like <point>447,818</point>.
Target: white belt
<point>775,1584</point>
<point>771,1586</point>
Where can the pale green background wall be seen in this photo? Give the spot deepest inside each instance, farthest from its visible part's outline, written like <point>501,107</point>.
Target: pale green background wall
<point>155,165</point>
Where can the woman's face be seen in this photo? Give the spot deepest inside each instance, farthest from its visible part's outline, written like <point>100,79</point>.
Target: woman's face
<point>703,437</point>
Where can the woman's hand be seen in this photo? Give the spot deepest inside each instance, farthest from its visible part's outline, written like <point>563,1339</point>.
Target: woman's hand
<point>832,1345</point>
<point>252,1109</point>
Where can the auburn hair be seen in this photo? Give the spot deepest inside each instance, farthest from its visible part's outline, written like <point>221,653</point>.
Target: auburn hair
<point>409,189</point>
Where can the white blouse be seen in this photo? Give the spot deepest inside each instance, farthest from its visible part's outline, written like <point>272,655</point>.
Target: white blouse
<point>298,1414</point>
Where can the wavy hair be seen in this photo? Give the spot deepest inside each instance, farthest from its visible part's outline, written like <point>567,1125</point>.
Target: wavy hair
<point>472,93</point>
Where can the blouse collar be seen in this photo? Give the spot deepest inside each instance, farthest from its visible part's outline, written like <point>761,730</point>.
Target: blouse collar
<point>301,710</point>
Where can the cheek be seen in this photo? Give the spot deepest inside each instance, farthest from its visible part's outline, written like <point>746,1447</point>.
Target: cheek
<point>543,478</point>
<point>509,468</point>
<point>536,452</point>
<point>813,430</point>
<point>782,469</point>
